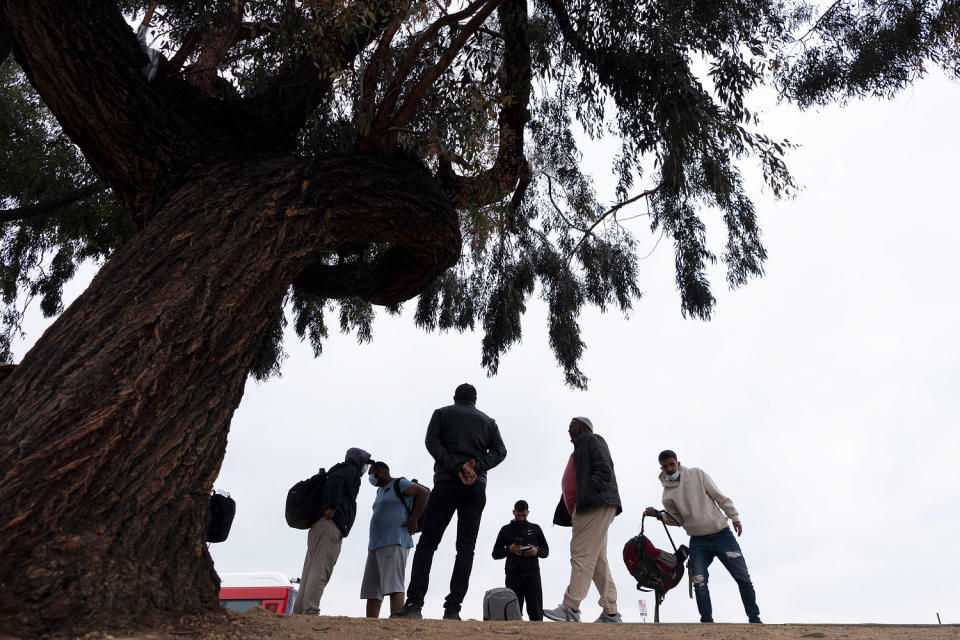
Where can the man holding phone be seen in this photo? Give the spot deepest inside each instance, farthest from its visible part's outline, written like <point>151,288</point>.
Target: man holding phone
<point>522,542</point>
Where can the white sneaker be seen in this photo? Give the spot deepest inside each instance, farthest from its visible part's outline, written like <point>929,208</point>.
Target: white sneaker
<point>610,618</point>
<point>562,613</point>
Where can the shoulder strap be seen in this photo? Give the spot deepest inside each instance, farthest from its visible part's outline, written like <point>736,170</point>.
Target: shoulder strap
<point>664,513</point>
<point>400,496</point>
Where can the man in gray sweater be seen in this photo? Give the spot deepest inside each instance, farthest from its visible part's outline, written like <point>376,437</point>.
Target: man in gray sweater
<point>693,501</point>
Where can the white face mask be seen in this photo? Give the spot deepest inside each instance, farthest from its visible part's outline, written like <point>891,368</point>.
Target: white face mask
<point>373,480</point>
<point>674,476</point>
<point>365,468</point>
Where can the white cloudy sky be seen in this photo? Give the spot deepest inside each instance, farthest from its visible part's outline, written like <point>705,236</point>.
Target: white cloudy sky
<point>821,398</point>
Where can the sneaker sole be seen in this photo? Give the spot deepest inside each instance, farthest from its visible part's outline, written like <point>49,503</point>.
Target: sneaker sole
<point>549,617</point>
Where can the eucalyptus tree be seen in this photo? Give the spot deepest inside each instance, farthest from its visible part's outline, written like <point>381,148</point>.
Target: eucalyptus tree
<point>237,164</point>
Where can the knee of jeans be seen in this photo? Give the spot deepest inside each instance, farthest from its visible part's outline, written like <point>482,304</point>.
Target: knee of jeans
<point>699,582</point>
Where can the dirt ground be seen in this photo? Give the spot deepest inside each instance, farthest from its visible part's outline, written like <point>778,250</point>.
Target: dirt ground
<point>259,623</point>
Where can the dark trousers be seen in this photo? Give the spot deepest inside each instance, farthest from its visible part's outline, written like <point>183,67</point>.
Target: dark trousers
<point>445,499</point>
<point>529,590</point>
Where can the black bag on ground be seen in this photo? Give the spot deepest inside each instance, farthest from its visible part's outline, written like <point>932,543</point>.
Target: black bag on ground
<point>501,604</point>
<point>222,510</point>
<point>408,503</point>
<point>654,569</point>
<point>305,501</point>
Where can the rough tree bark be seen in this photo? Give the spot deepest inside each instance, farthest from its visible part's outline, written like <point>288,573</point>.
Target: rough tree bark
<point>113,428</point>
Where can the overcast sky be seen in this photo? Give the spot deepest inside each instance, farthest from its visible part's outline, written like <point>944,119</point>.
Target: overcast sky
<point>822,398</point>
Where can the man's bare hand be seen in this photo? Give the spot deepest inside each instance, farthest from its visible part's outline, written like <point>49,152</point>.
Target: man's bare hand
<point>411,526</point>
<point>468,474</point>
<point>515,549</point>
<point>328,514</point>
<point>737,527</point>
<point>532,551</point>
<point>651,511</point>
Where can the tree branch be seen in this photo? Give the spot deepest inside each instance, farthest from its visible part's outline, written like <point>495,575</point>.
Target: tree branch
<point>400,206</point>
<point>607,213</point>
<point>214,51</point>
<point>87,65</point>
<point>406,110</point>
<point>186,50</point>
<point>816,25</point>
<point>396,276</point>
<point>566,27</point>
<point>369,81</point>
<point>557,207</point>
<point>281,109</point>
<point>392,94</point>
<point>49,205</point>
<point>494,184</point>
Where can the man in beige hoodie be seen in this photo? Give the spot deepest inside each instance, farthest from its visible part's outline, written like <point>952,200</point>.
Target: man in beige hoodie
<point>693,501</point>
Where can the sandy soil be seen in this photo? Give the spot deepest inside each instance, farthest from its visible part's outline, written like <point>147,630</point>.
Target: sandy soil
<point>259,623</point>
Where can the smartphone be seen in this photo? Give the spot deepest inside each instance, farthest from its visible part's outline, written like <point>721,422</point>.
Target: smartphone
<point>525,547</point>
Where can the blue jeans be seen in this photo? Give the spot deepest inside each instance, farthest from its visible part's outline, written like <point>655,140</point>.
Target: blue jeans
<point>722,545</point>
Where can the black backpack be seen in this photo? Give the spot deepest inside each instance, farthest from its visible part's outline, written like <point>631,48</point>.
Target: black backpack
<point>222,510</point>
<point>402,498</point>
<point>305,501</point>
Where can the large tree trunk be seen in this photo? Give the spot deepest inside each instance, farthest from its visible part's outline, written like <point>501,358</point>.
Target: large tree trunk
<point>114,427</point>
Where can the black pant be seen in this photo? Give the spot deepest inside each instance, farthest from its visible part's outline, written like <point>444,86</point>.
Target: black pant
<point>448,497</point>
<point>528,588</point>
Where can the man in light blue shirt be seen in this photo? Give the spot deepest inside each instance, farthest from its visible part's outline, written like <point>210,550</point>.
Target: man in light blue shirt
<point>396,509</point>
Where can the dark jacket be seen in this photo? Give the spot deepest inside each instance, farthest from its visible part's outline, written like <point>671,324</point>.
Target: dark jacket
<point>340,492</point>
<point>596,480</point>
<point>461,432</point>
<point>521,533</point>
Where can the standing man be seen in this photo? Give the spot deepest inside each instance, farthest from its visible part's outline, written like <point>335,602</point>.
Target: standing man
<point>521,542</point>
<point>323,542</point>
<point>589,503</point>
<point>693,501</point>
<point>465,443</point>
<point>396,509</point>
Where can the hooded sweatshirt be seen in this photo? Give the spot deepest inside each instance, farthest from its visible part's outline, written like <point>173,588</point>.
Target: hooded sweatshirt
<point>341,488</point>
<point>695,503</point>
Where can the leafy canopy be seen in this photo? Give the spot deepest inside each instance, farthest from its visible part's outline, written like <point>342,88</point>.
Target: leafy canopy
<point>491,96</point>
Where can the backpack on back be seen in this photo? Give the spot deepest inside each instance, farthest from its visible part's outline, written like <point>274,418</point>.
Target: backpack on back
<point>222,510</point>
<point>408,500</point>
<point>654,569</point>
<point>305,501</point>
<point>501,604</point>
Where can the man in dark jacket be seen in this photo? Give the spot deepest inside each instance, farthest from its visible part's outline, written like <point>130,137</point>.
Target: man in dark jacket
<point>522,543</point>
<point>589,503</point>
<point>323,542</point>
<point>465,443</point>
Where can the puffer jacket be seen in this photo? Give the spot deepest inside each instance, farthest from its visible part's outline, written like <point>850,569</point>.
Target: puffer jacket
<point>596,480</point>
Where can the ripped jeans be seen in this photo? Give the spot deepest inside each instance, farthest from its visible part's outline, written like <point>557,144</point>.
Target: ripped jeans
<point>722,545</point>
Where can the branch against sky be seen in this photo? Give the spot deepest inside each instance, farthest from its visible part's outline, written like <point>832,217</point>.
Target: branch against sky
<point>487,96</point>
